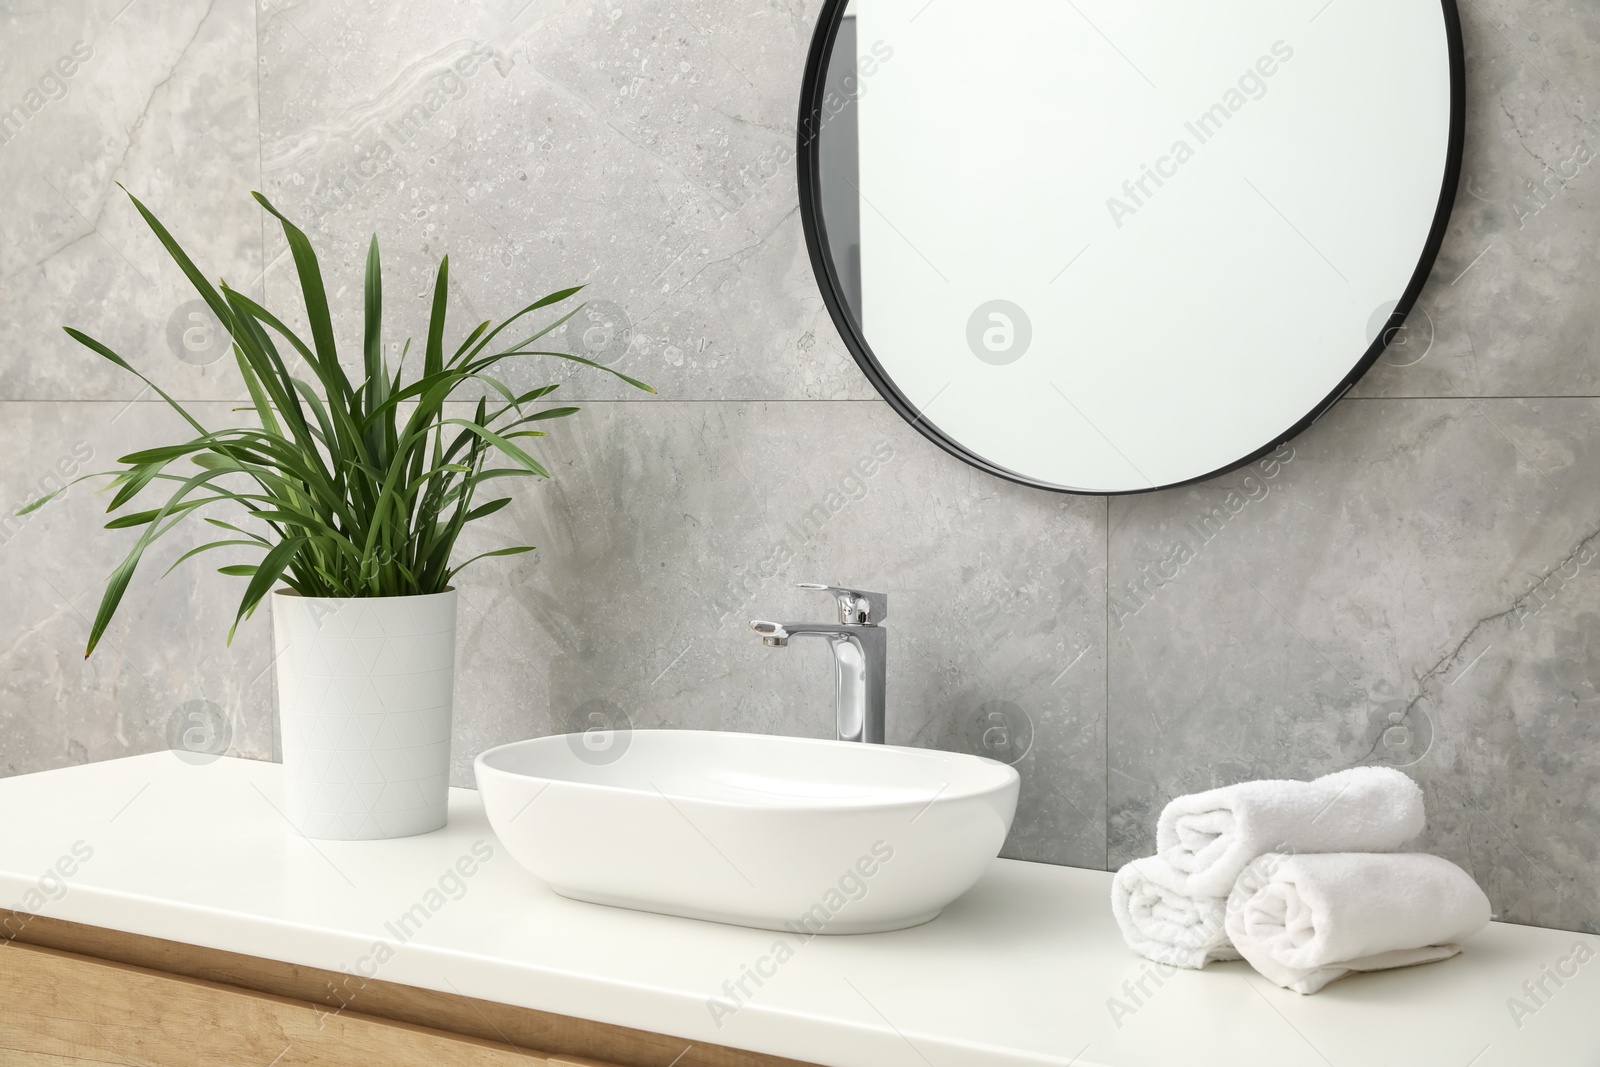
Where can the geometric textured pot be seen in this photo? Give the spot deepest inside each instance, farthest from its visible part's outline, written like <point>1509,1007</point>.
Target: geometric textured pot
<point>365,686</point>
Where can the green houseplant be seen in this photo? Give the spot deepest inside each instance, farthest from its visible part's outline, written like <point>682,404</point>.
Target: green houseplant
<point>355,493</point>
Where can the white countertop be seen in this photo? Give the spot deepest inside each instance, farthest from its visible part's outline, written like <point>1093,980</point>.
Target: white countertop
<point>1019,971</point>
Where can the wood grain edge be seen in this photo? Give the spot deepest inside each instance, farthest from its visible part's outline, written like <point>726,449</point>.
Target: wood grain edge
<point>69,1005</point>
<point>540,1032</point>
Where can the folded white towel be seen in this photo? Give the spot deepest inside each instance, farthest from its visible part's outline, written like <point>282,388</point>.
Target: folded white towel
<point>1164,925</point>
<point>1303,921</point>
<point>1209,837</point>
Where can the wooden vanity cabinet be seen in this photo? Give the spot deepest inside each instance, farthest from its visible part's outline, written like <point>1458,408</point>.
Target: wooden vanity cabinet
<point>82,996</point>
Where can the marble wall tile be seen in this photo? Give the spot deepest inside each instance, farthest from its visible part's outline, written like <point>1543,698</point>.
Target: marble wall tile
<point>167,645</point>
<point>161,98</point>
<point>1507,310</point>
<point>670,525</point>
<point>643,151</point>
<point>1411,587</point>
<point>1412,584</point>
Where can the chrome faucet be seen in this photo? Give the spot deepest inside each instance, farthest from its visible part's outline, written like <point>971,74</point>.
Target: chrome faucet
<point>860,649</point>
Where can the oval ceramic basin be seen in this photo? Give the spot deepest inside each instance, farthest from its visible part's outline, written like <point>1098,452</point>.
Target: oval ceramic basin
<point>775,832</point>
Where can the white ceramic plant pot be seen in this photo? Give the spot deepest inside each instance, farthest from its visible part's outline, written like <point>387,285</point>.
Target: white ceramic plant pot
<point>365,687</point>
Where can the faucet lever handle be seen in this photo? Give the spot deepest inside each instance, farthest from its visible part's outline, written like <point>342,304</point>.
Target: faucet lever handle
<point>857,607</point>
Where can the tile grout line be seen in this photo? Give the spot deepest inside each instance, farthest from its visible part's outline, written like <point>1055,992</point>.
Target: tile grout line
<point>261,168</point>
<point>573,400</point>
<point>275,735</point>
<point>1458,397</point>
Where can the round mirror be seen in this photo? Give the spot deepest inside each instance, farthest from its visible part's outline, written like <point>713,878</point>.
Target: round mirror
<point>1108,246</point>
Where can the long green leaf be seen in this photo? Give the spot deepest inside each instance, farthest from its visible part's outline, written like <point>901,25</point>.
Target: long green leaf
<point>487,509</point>
<point>206,548</point>
<point>543,301</point>
<point>359,489</point>
<point>433,359</point>
<point>267,571</point>
<point>513,551</point>
<point>35,505</point>
<point>316,298</point>
<point>117,584</point>
<point>636,383</point>
<point>208,293</point>
<point>502,444</point>
<point>95,346</point>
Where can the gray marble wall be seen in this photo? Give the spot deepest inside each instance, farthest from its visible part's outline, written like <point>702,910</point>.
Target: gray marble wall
<point>1415,583</point>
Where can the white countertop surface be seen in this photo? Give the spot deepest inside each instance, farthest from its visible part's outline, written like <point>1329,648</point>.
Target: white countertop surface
<point>1019,971</point>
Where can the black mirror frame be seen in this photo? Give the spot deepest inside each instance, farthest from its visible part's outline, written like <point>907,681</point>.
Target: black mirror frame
<point>813,87</point>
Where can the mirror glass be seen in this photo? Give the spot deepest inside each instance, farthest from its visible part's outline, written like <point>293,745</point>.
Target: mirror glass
<point>1109,246</point>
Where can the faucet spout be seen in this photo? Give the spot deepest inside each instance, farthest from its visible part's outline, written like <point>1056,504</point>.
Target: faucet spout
<point>860,652</point>
<point>773,634</point>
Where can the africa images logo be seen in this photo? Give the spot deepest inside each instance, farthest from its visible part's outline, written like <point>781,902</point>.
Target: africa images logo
<point>1252,85</point>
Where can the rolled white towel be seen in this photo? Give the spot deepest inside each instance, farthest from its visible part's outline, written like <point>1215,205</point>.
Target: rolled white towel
<point>1304,921</point>
<point>1209,837</point>
<point>1164,925</point>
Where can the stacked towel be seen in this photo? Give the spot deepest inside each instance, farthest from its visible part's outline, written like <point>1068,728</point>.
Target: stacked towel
<point>1208,838</point>
<point>1165,925</point>
<point>1298,878</point>
<point>1170,907</point>
<point>1304,921</point>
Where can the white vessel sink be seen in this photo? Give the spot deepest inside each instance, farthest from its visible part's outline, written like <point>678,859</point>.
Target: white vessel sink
<point>774,832</point>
